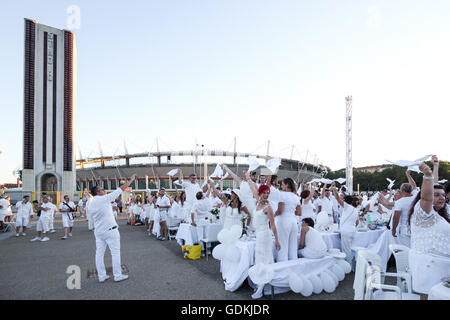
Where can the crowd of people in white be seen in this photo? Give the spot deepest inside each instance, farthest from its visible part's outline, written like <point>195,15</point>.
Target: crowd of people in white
<point>273,210</point>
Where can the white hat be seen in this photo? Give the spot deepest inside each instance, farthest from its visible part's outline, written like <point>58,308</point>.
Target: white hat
<point>238,193</point>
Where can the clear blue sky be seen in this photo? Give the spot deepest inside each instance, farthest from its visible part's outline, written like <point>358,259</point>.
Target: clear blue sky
<point>280,70</point>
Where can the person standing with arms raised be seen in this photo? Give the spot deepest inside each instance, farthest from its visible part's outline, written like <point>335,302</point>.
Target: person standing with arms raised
<point>106,230</point>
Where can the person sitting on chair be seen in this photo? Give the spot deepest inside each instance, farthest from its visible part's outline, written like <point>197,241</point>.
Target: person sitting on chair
<point>312,245</point>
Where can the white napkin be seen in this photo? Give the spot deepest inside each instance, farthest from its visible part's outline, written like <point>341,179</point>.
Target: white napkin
<point>218,172</point>
<point>340,180</point>
<point>406,163</point>
<point>173,172</point>
<point>273,164</point>
<point>326,181</point>
<point>225,176</point>
<point>442,181</point>
<point>253,163</point>
<point>391,183</point>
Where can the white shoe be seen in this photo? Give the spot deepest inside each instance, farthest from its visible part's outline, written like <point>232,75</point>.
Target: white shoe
<point>64,238</point>
<point>121,278</point>
<point>24,234</point>
<point>103,279</point>
<point>45,239</point>
<point>36,239</point>
<point>53,231</point>
<point>70,234</point>
<point>17,234</point>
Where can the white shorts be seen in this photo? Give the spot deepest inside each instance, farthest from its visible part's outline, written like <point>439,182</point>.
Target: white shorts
<point>22,221</point>
<point>43,224</point>
<point>163,215</point>
<point>67,220</point>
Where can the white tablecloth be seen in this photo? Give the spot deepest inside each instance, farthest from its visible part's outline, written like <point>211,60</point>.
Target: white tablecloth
<point>235,273</point>
<point>188,235</point>
<point>439,292</point>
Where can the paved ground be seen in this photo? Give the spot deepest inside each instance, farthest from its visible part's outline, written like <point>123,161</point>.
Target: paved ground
<point>157,270</point>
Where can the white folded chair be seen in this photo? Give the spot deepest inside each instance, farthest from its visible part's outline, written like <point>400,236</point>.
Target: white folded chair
<point>401,254</point>
<point>369,268</point>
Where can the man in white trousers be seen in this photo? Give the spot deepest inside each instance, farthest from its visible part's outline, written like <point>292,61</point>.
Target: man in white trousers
<point>106,230</point>
<point>24,211</point>
<point>43,225</point>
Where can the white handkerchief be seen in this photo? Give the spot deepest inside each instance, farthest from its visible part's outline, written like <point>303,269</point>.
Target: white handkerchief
<point>225,176</point>
<point>177,183</point>
<point>218,172</point>
<point>442,181</point>
<point>340,180</point>
<point>173,172</point>
<point>326,181</point>
<point>273,165</point>
<point>253,163</point>
<point>391,183</point>
<point>406,163</point>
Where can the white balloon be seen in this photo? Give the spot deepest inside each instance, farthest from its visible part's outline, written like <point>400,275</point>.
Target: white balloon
<point>338,271</point>
<point>344,265</point>
<point>219,252</point>
<point>235,232</point>
<point>307,287</point>
<point>232,254</point>
<point>317,284</point>
<point>224,236</point>
<point>335,278</point>
<point>327,282</point>
<point>295,282</point>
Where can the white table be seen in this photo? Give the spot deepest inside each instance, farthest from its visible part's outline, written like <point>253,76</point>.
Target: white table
<point>188,235</point>
<point>439,292</point>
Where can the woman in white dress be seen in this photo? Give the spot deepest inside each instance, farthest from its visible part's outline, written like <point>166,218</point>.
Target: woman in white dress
<point>263,223</point>
<point>286,220</point>
<point>347,222</point>
<point>429,257</point>
<point>233,207</point>
<point>179,208</point>
<point>153,210</point>
<point>311,245</point>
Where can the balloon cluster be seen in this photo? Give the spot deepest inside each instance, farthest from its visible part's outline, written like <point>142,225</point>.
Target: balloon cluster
<point>227,249</point>
<point>326,281</point>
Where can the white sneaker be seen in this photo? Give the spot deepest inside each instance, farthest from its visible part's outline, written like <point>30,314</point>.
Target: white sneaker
<point>24,234</point>
<point>53,231</point>
<point>17,234</point>
<point>64,238</point>
<point>121,278</point>
<point>103,279</point>
<point>45,239</point>
<point>70,234</point>
<point>36,239</point>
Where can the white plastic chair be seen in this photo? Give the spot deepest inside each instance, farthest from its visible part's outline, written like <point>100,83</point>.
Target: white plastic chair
<point>172,226</point>
<point>211,236</point>
<point>401,254</point>
<point>374,288</point>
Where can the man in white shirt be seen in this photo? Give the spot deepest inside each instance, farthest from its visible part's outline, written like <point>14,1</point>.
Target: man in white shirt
<point>401,208</point>
<point>163,205</point>
<point>326,204</point>
<point>191,188</point>
<point>106,230</point>
<point>24,211</point>
<point>52,218</point>
<point>67,208</point>
<point>43,225</point>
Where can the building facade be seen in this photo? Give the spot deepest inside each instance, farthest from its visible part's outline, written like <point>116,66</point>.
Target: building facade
<point>49,162</point>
